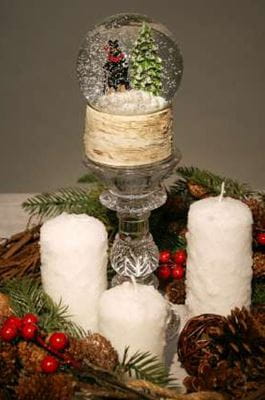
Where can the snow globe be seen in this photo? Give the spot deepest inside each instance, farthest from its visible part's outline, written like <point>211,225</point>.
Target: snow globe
<point>129,68</point>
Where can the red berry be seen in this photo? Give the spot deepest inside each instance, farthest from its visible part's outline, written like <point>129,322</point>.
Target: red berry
<point>180,256</point>
<point>49,365</point>
<point>261,238</point>
<point>28,331</point>
<point>164,256</point>
<point>58,341</point>
<point>163,272</point>
<point>177,272</point>
<point>13,321</point>
<point>8,332</point>
<point>30,319</point>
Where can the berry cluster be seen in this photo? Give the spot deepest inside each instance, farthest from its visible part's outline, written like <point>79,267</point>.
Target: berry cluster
<point>171,265</point>
<point>261,238</point>
<point>27,328</point>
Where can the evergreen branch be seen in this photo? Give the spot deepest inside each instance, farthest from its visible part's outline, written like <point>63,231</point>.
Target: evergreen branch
<point>212,182</point>
<point>180,243</point>
<point>27,296</point>
<point>72,200</point>
<point>145,366</point>
<point>88,178</point>
<point>258,292</point>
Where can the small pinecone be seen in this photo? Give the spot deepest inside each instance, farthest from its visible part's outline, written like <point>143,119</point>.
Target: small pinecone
<point>259,265</point>
<point>197,191</point>
<point>190,351</point>
<point>96,349</point>
<point>176,291</point>
<point>37,386</point>
<point>221,378</point>
<point>5,309</point>
<point>30,356</point>
<point>258,211</point>
<point>8,368</point>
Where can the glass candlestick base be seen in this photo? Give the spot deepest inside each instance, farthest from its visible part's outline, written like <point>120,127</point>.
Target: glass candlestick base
<point>133,192</point>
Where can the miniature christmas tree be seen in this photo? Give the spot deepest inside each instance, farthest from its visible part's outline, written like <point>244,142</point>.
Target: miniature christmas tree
<point>116,68</point>
<point>146,65</point>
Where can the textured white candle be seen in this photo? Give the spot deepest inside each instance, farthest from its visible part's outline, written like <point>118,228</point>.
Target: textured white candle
<point>134,315</point>
<point>74,263</point>
<point>219,256</point>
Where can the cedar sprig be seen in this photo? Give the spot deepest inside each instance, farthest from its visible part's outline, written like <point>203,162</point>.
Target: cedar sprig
<point>143,365</point>
<point>71,200</point>
<point>27,296</point>
<point>212,182</point>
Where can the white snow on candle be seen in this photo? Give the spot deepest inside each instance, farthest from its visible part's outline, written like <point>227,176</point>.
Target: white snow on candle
<point>73,264</point>
<point>134,318</point>
<point>219,259</point>
<point>130,102</point>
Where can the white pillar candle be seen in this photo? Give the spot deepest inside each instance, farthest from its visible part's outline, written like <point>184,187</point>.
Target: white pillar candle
<point>74,264</point>
<point>134,315</point>
<point>219,259</point>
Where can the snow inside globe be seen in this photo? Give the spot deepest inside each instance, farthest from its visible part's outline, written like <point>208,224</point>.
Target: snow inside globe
<point>129,68</point>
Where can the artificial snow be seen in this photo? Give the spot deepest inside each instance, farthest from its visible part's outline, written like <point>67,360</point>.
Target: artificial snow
<point>130,102</point>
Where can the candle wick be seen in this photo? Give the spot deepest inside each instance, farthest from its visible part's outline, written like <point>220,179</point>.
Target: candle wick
<point>222,192</point>
<point>134,283</point>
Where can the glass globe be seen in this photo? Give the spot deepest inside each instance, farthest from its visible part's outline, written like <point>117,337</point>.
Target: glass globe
<point>132,58</point>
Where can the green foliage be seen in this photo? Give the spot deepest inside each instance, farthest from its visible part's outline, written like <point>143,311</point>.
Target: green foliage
<point>27,296</point>
<point>72,200</point>
<point>146,65</point>
<point>145,366</point>
<point>258,292</point>
<point>88,178</point>
<point>212,183</point>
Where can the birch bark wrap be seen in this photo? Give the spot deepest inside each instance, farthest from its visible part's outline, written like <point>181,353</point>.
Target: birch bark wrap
<point>128,140</point>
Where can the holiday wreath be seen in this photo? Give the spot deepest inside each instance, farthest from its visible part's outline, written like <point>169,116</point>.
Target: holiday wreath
<point>43,354</point>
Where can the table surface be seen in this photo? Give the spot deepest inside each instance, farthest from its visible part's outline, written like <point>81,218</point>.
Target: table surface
<point>13,220</point>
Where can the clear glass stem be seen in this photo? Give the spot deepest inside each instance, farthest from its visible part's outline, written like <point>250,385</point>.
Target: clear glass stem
<point>134,252</point>
<point>133,227</point>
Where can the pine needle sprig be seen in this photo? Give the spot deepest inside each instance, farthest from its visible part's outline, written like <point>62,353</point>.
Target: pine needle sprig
<point>71,200</point>
<point>89,178</point>
<point>145,366</point>
<point>213,182</point>
<point>27,296</point>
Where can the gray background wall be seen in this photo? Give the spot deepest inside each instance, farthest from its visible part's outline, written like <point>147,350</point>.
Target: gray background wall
<point>219,111</point>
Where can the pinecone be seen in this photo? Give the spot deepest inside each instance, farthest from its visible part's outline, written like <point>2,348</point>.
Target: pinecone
<point>176,291</point>
<point>209,340</point>
<point>30,356</point>
<point>2,395</point>
<point>197,191</point>
<point>5,310</point>
<point>221,379</point>
<point>96,349</point>
<point>259,264</point>
<point>258,211</point>
<point>42,387</point>
<point>258,312</point>
<point>8,368</point>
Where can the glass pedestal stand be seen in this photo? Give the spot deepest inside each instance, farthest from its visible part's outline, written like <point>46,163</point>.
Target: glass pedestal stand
<point>133,192</point>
